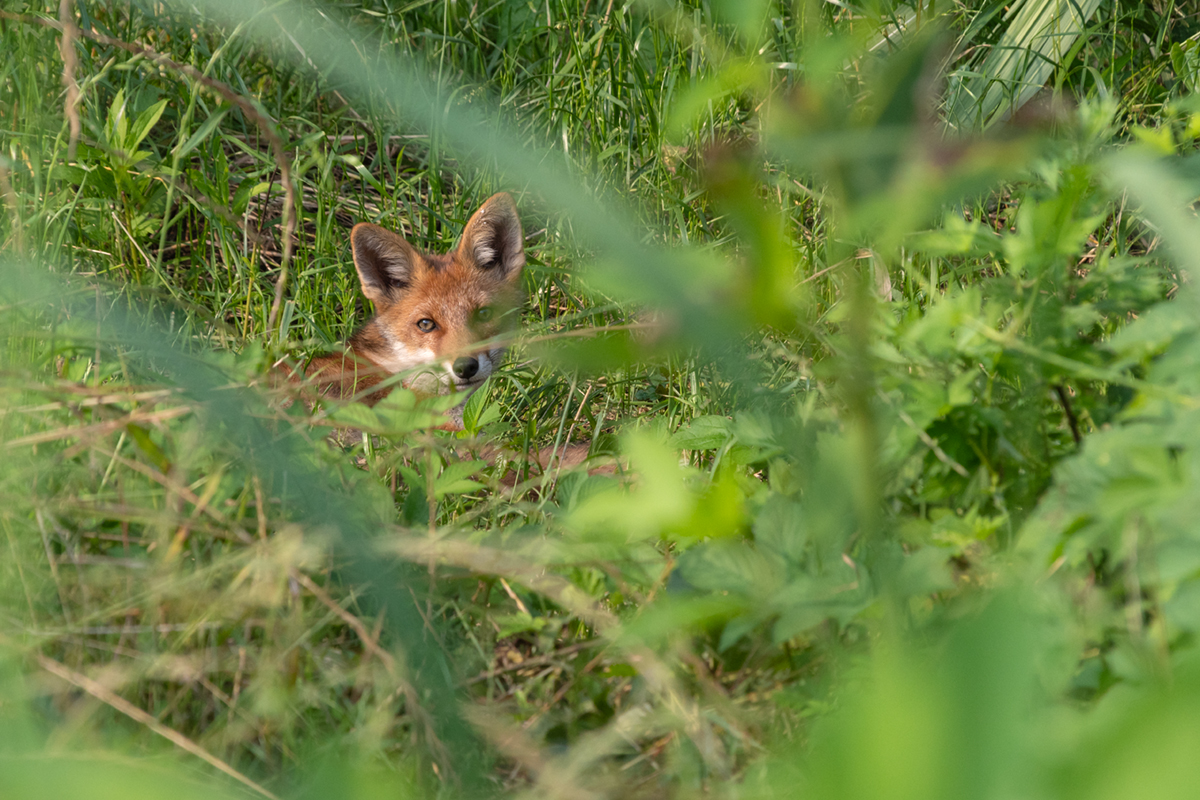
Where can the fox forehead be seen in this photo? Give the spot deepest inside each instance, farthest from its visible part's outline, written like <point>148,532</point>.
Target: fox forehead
<point>448,292</point>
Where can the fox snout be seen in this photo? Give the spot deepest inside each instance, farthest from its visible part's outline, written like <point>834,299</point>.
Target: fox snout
<point>466,367</point>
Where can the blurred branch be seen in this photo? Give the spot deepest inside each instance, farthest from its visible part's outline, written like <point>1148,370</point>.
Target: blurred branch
<point>96,400</point>
<point>491,561</point>
<point>1082,370</point>
<point>100,428</point>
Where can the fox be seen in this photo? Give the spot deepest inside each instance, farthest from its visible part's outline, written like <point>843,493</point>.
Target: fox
<point>443,312</point>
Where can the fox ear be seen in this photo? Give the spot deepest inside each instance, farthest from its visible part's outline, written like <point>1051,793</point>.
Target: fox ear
<point>493,239</point>
<point>385,262</point>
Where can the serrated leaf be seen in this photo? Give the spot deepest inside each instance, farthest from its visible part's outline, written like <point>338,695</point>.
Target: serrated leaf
<point>779,529</point>
<point>401,412</point>
<point>736,629</point>
<point>666,619</point>
<point>457,487</point>
<point>704,433</point>
<point>1154,329</point>
<point>723,566</point>
<point>1182,610</point>
<point>356,415</point>
<point>797,619</point>
<point>75,175</point>
<point>924,572</point>
<point>520,622</point>
<point>454,478</point>
<point>957,237</point>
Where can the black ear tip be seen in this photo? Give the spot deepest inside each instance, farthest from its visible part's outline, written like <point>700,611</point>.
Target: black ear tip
<point>383,259</point>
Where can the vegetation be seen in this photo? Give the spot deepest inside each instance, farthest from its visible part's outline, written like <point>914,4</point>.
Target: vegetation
<point>877,320</point>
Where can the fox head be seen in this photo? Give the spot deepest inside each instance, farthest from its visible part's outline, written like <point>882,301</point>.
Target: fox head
<point>442,310</point>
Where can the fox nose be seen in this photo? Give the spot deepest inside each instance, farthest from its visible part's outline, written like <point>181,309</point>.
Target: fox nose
<point>466,367</point>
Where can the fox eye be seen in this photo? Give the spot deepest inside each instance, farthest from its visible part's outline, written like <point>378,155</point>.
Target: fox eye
<point>426,325</point>
<point>483,314</point>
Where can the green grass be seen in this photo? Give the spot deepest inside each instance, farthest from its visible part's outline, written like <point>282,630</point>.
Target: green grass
<point>905,421</point>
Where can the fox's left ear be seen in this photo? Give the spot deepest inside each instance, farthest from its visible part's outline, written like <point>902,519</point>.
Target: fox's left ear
<point>493,239</point>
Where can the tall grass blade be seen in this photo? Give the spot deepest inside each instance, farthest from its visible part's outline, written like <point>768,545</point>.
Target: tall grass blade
<point>1039,36</point>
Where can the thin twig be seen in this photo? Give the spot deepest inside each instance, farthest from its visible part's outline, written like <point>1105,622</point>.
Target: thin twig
<point>857,256</point>
<point>98,400</point>
<point>111,698</point>
<point>932,444</point>
<point>508,590</point>
<point>1061,391</point>
<point>168,483</point>
<point>566,687</point>
<point>53,562</point>
<point>354,622</point>
<point>536,661</point>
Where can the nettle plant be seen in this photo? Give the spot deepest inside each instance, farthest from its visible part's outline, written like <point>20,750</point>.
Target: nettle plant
<point>978,359</point>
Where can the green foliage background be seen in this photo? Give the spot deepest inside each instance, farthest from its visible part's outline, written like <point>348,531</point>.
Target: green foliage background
<point>876,321</point>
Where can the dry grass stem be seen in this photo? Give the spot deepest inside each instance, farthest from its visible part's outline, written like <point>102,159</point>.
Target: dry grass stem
<point>99,429</point>
<point>70,32</point>
<point>107,696</point>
